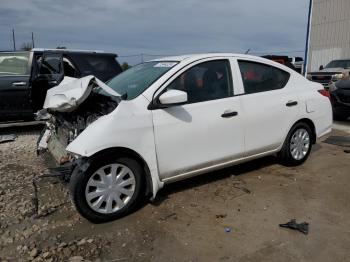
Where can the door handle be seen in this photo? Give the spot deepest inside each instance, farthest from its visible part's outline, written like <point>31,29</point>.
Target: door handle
<point>292,103</point>
<point>19,83</point>
<point>53,82</point>
<point>229,114</point>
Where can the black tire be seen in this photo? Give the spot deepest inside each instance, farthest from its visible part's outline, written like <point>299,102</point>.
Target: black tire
<point>78,183</point>
<point>285,155</point>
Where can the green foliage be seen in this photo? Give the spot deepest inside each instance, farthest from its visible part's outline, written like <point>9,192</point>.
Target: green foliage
<point>125,66</point>
<point>26,46</point>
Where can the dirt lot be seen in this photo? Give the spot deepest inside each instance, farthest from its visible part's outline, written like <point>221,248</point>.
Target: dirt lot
<point>187,221</point>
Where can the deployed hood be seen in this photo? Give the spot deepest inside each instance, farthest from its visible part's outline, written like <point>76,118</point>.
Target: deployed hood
<point>71,92</point>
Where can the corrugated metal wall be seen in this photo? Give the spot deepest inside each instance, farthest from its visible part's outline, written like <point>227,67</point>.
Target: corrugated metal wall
<point>330,32</point>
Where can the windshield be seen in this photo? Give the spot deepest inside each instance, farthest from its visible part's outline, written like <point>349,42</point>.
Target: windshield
<point>339,63</point>
<point>137,79</point>
<point>14,63</point>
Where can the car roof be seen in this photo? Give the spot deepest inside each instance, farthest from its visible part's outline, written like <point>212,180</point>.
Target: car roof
<point>194,57</point>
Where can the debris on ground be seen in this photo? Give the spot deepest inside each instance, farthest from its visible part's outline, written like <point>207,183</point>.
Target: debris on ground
<point>347,151</point>
<point>228,229</point>
<point>172,215</point>
<point>35,199</point>
<point>7,138</point>
<point>240,184</point>
<point>302,227</point>
<point>338,140</point>
<point>221,215</point>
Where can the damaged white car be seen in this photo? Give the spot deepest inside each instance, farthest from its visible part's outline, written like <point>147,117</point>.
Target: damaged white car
<point>173,118</point>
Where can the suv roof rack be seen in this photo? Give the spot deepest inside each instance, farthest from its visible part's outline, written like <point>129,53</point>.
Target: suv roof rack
<point>67,50</point>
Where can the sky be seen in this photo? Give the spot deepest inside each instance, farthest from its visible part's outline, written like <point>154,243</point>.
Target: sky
<point>157,27</point>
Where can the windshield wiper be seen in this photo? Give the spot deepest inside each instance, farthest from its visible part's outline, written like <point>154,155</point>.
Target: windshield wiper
<point>124,96</point>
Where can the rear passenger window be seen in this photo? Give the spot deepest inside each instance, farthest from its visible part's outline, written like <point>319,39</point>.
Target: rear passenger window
<point>51,64</point>
<point>259,77</point>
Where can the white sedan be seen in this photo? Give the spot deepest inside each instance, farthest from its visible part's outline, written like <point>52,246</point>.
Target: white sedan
<point>176,117</point>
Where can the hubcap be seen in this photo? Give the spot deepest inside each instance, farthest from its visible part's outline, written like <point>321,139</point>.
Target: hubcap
<point>299,144</point>
<point>110,188</point>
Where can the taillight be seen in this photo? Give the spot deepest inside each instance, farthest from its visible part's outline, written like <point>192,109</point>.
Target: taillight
<point>324,92</point>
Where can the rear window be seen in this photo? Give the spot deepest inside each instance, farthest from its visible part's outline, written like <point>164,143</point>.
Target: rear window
<point>14,63</point>
<point>339,63</point>
<point>259,77</point>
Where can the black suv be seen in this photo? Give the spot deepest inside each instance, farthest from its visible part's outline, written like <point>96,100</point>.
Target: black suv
<point>26,76</point>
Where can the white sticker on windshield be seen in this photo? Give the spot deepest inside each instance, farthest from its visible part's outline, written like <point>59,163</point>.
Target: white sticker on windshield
<point>165,64</point>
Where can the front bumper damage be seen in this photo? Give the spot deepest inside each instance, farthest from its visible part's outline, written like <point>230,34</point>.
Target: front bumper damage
<point>59,161</point>
<point>48,141</point>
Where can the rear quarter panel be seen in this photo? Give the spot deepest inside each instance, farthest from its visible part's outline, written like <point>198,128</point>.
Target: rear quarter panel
<point>316,107</point>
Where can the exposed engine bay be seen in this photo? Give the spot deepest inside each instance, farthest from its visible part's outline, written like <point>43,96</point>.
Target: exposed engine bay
<point>63,126</point>
<point>68,126</point>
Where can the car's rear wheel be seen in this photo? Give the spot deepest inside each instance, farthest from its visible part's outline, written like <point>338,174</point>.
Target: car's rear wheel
<point>109,189</point>
<point>297,146</point>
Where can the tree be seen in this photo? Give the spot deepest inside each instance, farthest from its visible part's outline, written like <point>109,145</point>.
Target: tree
<point>61,47</point>
<point>125,66</point>
<point>26,46</point>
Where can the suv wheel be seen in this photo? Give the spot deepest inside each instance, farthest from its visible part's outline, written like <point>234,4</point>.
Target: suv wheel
<point>108,190</point>
<point>297,145</point>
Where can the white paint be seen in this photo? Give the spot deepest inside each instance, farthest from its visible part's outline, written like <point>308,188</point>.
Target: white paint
<point>182,141</point>
<point>173,97</point>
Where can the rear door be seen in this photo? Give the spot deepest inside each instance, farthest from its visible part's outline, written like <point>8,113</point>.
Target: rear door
<point>270,105</point>
<point>14,85</point>
<point>49,74</point>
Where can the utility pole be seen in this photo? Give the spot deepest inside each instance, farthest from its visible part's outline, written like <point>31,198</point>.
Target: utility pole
<point>307,45</point>
<point>14,39</point>
<point>32,40</point>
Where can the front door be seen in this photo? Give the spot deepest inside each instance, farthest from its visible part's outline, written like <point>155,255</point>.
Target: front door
<point>50,73</point>
<point>208,129</point>
<point>14,85</point>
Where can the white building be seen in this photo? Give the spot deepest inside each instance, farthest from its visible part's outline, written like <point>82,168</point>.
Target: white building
<point>330,32</point>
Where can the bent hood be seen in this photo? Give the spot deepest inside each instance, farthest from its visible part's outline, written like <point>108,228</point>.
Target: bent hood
<point>71,92</point>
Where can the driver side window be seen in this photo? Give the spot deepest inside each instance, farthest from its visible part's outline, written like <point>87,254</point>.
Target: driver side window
<point>206,81</point>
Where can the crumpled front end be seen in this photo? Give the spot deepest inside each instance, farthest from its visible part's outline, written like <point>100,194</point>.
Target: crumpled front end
<point>69,108</point>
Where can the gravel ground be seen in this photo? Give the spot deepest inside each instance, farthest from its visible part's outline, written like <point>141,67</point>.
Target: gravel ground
<point>229,215</point>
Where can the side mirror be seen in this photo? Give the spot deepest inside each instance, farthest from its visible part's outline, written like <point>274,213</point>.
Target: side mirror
<point>321,67</point>
<point>173,97</point>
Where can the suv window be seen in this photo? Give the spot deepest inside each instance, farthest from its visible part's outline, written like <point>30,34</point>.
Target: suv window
<point>259,77</point>
<point>103,66</point>
<point>68,68</point>
<point>339,63</point>
<point>50,64</point>
<point>206,81</point>
<point>14,63</point>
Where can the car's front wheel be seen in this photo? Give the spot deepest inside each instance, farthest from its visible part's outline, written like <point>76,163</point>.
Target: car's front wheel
<point>109,189</point>
<point>297,146</point>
